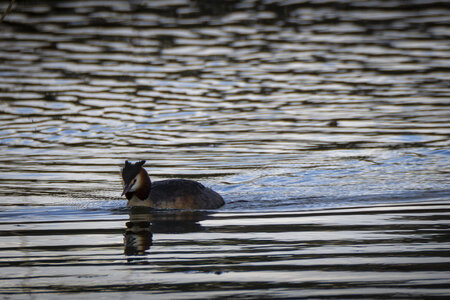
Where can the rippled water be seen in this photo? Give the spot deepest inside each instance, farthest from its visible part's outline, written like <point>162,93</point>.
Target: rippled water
<point>324,124</point>
<point>382,252</point>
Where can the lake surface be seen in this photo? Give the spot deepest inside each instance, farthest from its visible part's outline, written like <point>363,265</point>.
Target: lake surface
<point>325,125</point>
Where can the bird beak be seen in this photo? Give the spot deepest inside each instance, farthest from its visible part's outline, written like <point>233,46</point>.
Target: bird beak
<point>126,188</point>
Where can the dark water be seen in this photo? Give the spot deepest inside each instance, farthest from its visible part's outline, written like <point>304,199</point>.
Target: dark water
<point>368,252</point>
<point>324,124</point>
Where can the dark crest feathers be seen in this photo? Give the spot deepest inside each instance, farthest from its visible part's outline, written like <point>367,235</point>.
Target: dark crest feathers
<point>130,170</point>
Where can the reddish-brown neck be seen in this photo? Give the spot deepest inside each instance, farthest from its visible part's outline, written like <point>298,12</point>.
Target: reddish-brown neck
<point>143,190</point>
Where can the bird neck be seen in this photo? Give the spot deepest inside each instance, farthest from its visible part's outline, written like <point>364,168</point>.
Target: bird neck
<point>143,190</point>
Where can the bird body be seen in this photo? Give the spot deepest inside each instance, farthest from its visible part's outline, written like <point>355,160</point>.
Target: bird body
<point>166,194</point>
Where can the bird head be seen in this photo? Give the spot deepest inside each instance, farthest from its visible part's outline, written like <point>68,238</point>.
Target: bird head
<point>131,178</point>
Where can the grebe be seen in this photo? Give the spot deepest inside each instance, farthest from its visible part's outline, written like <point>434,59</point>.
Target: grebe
<point>165,194</point>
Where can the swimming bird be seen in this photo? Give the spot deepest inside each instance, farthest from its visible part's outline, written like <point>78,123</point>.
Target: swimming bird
<point>165,194</point>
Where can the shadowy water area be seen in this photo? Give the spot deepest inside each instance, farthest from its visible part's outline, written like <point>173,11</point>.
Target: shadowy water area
<point>324,125</point>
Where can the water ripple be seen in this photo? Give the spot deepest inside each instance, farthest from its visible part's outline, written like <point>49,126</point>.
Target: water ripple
<point>283,107</point>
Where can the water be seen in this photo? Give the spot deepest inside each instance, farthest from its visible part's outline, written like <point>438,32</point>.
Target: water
<point>325,126</point>
<point>373,252</point>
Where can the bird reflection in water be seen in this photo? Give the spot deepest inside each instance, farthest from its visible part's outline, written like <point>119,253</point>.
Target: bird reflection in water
<point>143,222</point>
<point>137,238</point>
